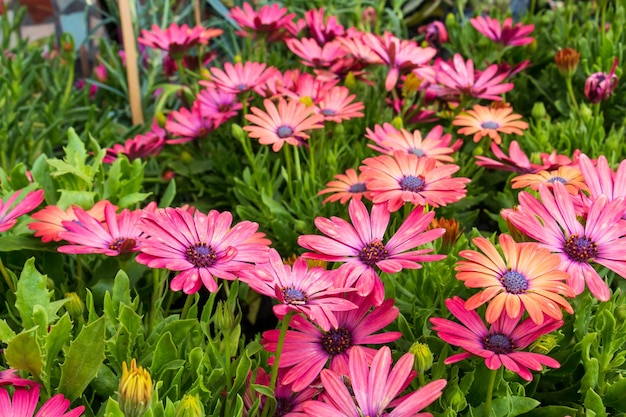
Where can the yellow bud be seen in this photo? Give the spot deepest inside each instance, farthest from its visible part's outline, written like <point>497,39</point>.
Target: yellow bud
<point>423,357</point>
<point>397,122</point>
<point>205,74</point>
<point>306,100</point>
<point>411,84</point>
<point>238,58</point>
<point>161,119</point>
<point>189,406</point>
<point>135,390</point>
<point>186,157</point>
<point>544,344</point>
<point>350,80</point>
<point>75,306</point>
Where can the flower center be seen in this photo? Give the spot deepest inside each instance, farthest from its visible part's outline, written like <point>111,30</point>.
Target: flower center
<point>490,125</point>
<point>373,252</point>
<point>357,188</point>
<point>336,341</point>
<point>417,152</point>
<point>122,245</point>
<point>514,282</point>
<point>284,132</point>
<point>294,296</point>
<point>241,87</point>
<point>283,406</point>
<point>498,343</point>
<point>557,179</point>
<point>328,112</point>
<point>412,183</point>
<point>580,249</point>
<point>201,255</point>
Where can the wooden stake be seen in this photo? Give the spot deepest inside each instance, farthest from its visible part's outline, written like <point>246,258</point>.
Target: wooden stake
<point>132,70</point>
<point>196,10</point>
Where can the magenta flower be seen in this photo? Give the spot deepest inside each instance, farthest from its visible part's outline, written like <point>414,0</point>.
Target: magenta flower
<point>553,223</point>
<point>25,402</point>
<point>361,247</point>
<point>323,30</point>
<point>435,33</point>
<point>602,180</point>
<point>313,55</point>
<point>507,34</point>
<point>175,39</point>
<point>307,349</point>
<point>502,344</point>
<point>517,161</point>
<point>599,86</point>
<point>141,146</point>
<point>201,246</point>
<point>9,377</point>
<point>9,215</point>
<point>188,125</point>
<point>239,78</point>
<point>271,21</point>
<point>307,291</point>
<point>217,104</point>
<point>374,389</point>
<point>118,235</point>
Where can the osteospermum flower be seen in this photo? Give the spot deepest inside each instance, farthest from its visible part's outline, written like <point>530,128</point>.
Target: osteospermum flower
<point>200,246</point>
<point>239,78</point>
<point>9,213</point>
<point>24,404</point>
<point>308,291</point>
<point>313,55</point>
<point>374,389</point>
<point>117,236</point>
<point>176,40</point>
<point>601,179</point>
<point>502,344</point>
<point>307,349</point>
<point>516,161</point>
<point>571,177</point>
<point>286,123</point>
<point>51,219</point>
<point>506,34</point>
<point>345,187</point>
<point>321,29</point>
<point>361,247</point>
<point>217,104</point>
<point>187,125</point>
<point>270,21</point>
<point>527,278</point>
<point>337,105</point>
<point>601,239</point>
<point>9,377</point>
<point>144,145</point>
<point>406,178</point>
<point>489,121</point>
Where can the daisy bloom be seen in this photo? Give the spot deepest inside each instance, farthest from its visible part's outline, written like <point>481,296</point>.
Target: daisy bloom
<point>286,123</point>
<point>388,140</point>
<point>502,344</point>
<point>141,146</point>
<point>435,33</point>
<point>346,187</point>
<point>51,219</point>
<point>482,121</point>
<point>271,21</point>
<point>462,79</point>
<point>516,161</point>
<point>553,223</point>
<point>506,34</point>
<point>321,29</point>
<point>307,291</point>
<point>601,179</point>
<point>337,105</point>
<point>187,125</point>
<point>307,349</point>
<point>9,213</point>
<point>175,39</point>
<point>117,236</point>
<point>25,401</point>
<point>201,246</point>
<point>374,389</point>
<point>307,89</point>
<point>9,377</point>
<point>313,55</point>
<point>217,104</point>
<point>239,78</point>
<point>571,177</point>
<point>527,278</point>
<point>361,247</point>
<point>406,178</point>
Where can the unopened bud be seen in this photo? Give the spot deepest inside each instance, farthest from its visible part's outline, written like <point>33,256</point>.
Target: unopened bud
<point>600,85</point>
<point>423,357</point>
<point>539,111</point>
<point>397,122</point>
<point>75,306</point>
<point>225,318</point>
<point>566,61</point>
<point>189,406</point>
<point>135,390</point>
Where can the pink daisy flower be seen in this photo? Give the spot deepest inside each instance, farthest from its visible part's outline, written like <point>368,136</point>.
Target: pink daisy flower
<point>401,178</point>
<point>118,235</point>
<point>337,105</point>
<point>600,239</point>
<point>286,123</point>
<point>506,34</point>
<point>307,291</point>
<point>9,377</point>
<point>239,78</point>
<point>270,21</point>
<point>308,89</point>
<point>51,219</point>
<point>141,146</point>
<point>307,349</point>
<point>187,125</point>
<point>24,404</point>
<point>9,213</point>
<point>516,161</point>
<point>321,29</point>
<point>462,79</point>
<point>435,33</point>
<point>314,55</point>
<point>601,179</point>
<point>201,246</point>
<point>374,389</point>
<point>361,247</point>
<point>502,344</point>
<point>175,39</point>
<point>345,187</point>
<point>217,104</point>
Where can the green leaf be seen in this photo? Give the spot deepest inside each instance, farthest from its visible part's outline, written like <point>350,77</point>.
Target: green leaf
<point>6,333</point>
<point>24,352</point>
<point>552,411</point>
<point>31,291</point>
<point>56,338</point>
<point>594,402</point>
<point>168,195</point>
<point>164,352</point>
<point>113,409</point>
<point>509,406</point>
<point>85,356</point>
<point>615,395</point>
<point>21,242</point>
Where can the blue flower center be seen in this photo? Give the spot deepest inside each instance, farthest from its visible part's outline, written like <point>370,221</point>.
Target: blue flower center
<point>284,132</point>
<point>201,255</point>
<point>328,112</point>
<point>373,253</point>
<point>557,179</point>
<point>336,341</point>
<point>294,296</point>
<point>514,282</point>
<point>122,245</point>
<point>498,343</point>
<point>490,125</point>
<point>241,87</point>
<point>417,152</point>
<point>359,187</point>
<point>412,183</point>
<point>580,248</point>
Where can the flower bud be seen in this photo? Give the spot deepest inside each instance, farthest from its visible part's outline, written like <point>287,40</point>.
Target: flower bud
<point>135,390</point>
<point>225,318</point>
<point>423,357</point>
<point>238,132</point>
<point>189,406</point>
<point>452,234</point>
<point>75,306</point>
<point>600,85</point>
<point>567,61</point>
<point>455,398</point>
<point>411,84</point>
<point>369,17</point>
<point>397,122</point>
<point>100,72</point>
<point>620,313</point>
<point>350,81</point>
<point>435,33</point>
<point>538,111</point>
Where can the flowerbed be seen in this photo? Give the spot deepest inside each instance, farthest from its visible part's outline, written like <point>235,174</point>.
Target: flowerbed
<point>322,215</point>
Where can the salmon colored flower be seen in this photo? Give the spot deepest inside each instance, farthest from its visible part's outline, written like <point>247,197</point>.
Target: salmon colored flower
<point>51,219</point>
<point>9,213</point>
<point>502,344</point>
<point>406,178</point>
<point>527,278</point>
<point>286,123</point>
<point>239,78</point>
<point>506,34</point>
<point>24,404</point>
<point>345,187</point>
<point>482,121</point>
<point>176,40</point>
<point>571,177</point>
<point>337,105</point>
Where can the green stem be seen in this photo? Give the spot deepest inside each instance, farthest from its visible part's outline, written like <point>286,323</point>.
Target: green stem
<point>6,276</point>
<point>279,348</point>
<point>187,306</point>
<point>312,162</point>
<point>80,281</point>
<point>289,167</point>
<point>227,363</point>
<point>570,91</point>
<point>181,71</point>
<point>156,295</point>
<point>492,382</point>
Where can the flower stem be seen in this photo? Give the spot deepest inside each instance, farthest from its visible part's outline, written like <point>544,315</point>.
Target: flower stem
<point>181,71</point>
<point>288,163</point>
<point>156,295</point>
<point>6,276</point>
<point>492,382</point>
<point>570,90</point>
<point>279,348</point>
<point>187,306</point>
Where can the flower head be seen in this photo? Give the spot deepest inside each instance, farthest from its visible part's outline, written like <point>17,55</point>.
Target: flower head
<point>51,218</point>
<point>502,344</point>
<point>601,179</point>
<point>516,161</point>
<point>25,402</point>
<point>141,146</point>
<point>435,33</point>
<point>270,21</point>
<point>506,34</point>
<point>337,105</point>
<point>322,29</point>
<point>175,39</point>
<point>571,177</point>
<point>217,104</point>
<point>9,213</point>
<point>599,86</point>
<point>135,390</point>
<point>482,121</point>
<point>239,78</point>
<point>346,187</point>
<point>186,125</point>
<point>314,55</point>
